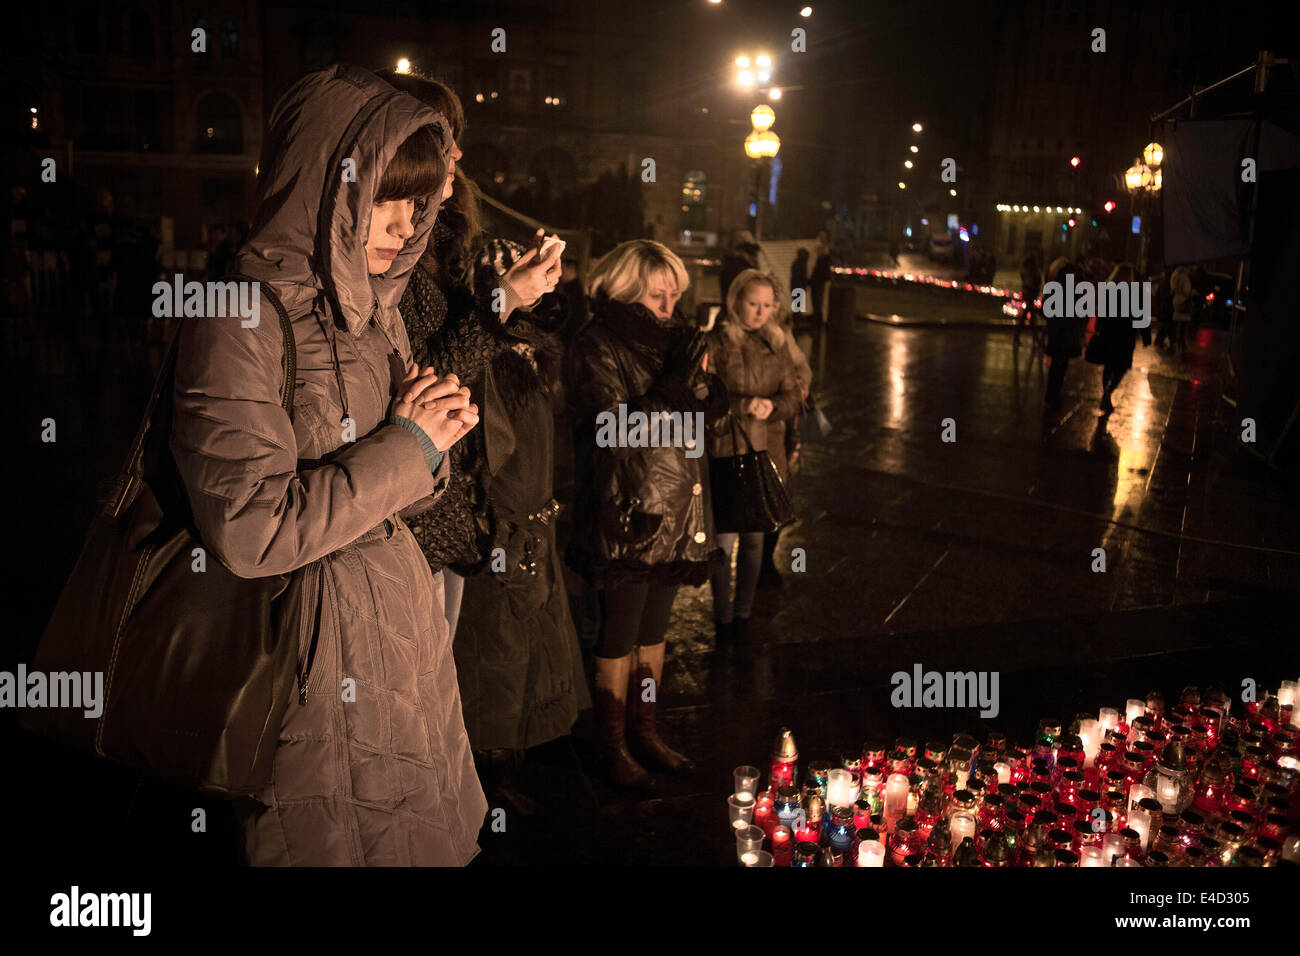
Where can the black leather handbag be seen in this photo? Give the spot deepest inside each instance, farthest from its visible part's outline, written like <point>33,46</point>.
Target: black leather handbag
<point>198,665</point>
<point>747,491</point>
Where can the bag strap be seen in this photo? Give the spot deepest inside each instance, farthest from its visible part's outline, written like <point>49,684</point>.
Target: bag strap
<point>131,471</point>
<point>731,417</point>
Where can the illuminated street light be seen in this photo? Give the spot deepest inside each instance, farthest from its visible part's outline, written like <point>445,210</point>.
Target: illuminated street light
<point>916,127</point>
<point>762,144</point>
<point>762,117</point>
<point>774,93</point>
<point>902,185</point>
<point>1137,177</point>
<point>764,76</point>
<point>1074,161</point>
<point>915,149</point>
<point>403,65</point>
<point>763,60</point>
<point>742,62</point>
<point>908,164</point>
<point>952,192</point>
<point>1154,154</point>
<point>806,12</point>
<point>746,78</point>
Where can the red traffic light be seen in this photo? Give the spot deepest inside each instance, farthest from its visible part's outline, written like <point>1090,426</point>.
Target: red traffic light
<point>1071,221</point>
<point>1110,205</point>
<point>1074,160</point>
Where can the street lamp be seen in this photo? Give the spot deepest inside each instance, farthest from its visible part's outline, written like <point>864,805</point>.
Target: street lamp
<point>916,127</point>
<point>1154,154</point>
<point>1138,177</point>
<point>761,144</point>
<point>403,65</point>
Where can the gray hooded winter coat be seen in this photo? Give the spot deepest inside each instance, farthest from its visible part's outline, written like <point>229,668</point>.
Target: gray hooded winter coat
<point>373,767</point>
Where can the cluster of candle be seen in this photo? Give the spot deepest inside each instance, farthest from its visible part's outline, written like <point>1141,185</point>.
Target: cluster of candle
<point>1191,785</point>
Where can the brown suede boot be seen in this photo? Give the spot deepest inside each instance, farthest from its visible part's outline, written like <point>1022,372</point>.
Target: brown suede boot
<point>610,705</point>
<point>644,735</point>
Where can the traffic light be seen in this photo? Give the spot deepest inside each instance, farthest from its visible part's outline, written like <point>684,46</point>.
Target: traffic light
<point>1074,161</point>
<point>1110,205</point>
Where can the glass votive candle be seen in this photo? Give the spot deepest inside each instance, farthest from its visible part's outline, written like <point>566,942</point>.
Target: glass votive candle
<point>758,858</point>
<point>839,788</point>
<point>1003,770</point>
<point>962,824</point>
<point>1137,793</point>
<point>871,853</point>
<point>1133,709</point>
<point>1139,820</point>
<point>749,840</point>
<point>782,845</point>
<point>1112,845</point>
<point>741,808</point>
<point>746,780</point>
<point>1093,856</point>
<point>1107,719</point>
<point>1286,693</point>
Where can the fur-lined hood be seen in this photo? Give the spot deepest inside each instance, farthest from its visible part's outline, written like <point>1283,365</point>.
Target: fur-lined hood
<point>771,332</point>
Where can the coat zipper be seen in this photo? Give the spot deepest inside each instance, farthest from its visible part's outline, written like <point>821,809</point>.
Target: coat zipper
<point>315,637</point>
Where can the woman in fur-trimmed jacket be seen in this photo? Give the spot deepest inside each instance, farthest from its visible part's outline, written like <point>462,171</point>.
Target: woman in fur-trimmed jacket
<point>756,363</point>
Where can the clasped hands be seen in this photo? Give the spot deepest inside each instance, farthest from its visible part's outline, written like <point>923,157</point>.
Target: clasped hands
<point>440,405</point>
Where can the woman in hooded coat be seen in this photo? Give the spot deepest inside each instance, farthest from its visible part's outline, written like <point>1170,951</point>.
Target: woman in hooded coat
<point>373,765</point>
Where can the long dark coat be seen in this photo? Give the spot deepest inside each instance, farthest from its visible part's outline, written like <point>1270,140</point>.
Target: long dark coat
<point>517,656</point>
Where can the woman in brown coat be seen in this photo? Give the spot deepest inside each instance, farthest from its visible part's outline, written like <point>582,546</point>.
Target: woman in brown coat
<point>755,362</point>
<point>373,766</point>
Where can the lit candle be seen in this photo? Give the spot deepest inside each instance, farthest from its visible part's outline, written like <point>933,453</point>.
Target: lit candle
<point>871,853</point>
<point>1133,709</point>
<point>1112,845</point>
<point>748,840</point>
<point>1167,792</point>
<point>1090,733</point>
<point>839,788</point>
<point>1093,856</point>
<point>897,788</point>
<point>1004,771</point>
<point>749,858</point>
<point>1108,717</point>
<point>746,779</point>
<point>781,846</point>
<point>1140,821</point>
<point>1286,693</point>
<point>961,825</point>
<point>1137,792</point>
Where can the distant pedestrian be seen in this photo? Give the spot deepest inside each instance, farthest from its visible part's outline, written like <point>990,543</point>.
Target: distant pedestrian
<point>1063,334</point>
<point>755,362</point>
<point>1118,339</point>
<point>799,280</point>
<point>821,277</point>
<point>1180,285</point>
<point>743,255</point>
<point>1031,281</point>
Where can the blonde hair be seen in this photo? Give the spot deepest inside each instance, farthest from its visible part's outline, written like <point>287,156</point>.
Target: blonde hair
<point>625,272</point>
<point>744,281</point>
<point>773,330</point>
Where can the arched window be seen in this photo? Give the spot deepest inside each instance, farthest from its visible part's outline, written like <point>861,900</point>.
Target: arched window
<point>219,124</point>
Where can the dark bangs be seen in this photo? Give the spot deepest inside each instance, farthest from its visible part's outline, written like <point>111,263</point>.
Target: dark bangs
<point>419,168</point>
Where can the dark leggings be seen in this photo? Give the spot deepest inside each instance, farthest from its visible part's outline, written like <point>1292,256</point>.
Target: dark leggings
<point>632,614</point>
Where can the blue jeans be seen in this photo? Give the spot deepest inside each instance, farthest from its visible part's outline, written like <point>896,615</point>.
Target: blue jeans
<point>748,565</point>
<point>453,589</point>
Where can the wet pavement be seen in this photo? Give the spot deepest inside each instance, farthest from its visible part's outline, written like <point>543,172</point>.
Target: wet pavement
<point>974,554</point>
